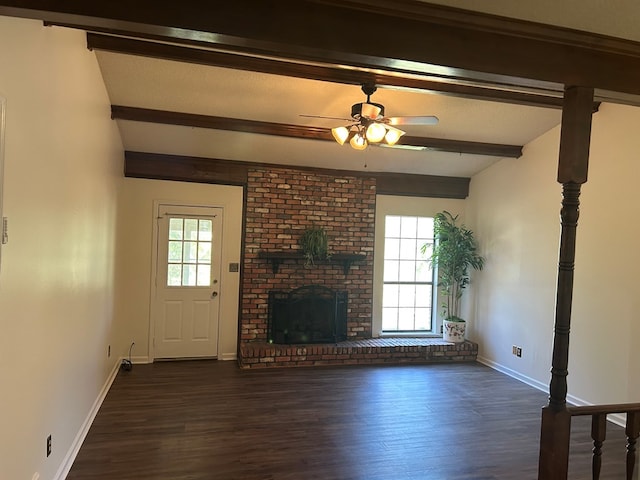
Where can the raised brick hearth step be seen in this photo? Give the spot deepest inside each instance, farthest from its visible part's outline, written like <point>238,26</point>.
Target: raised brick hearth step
<point>369,351</point>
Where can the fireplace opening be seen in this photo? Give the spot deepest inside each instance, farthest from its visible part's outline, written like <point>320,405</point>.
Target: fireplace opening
<point>308,314</point>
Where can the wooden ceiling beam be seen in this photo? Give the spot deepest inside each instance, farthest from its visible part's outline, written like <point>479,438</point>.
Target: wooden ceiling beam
<point>327,73</point>
<point>410,37</point>
<point>228,172</point>
<point>300,131</point>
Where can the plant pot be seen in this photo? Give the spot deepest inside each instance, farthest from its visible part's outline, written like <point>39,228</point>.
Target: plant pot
<point>453,331</point>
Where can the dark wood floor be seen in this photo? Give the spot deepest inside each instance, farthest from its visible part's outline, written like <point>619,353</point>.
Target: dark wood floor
<point>208,420</point>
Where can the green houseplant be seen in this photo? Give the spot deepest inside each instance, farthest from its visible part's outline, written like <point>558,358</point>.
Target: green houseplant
<point>315,244</point>
<point>454,252</point>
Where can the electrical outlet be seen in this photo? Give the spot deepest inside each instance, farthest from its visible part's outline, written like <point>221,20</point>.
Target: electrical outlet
<point>519,352</point>
<point>48,445</point>
<point>514,350</point>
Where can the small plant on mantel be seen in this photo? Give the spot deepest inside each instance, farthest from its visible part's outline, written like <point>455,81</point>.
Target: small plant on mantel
<point>315,245</point>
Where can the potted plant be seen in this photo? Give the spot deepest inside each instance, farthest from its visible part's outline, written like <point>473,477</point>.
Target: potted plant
<point>454,252</point>
<point>315,245</point>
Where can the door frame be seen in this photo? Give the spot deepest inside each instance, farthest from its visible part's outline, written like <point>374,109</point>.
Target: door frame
<point>154,263</point>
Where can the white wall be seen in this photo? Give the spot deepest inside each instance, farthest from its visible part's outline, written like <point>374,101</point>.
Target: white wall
<point>397,205</point>
<point>514,206</point>
<point>63,160</point>
<point>134,252</point>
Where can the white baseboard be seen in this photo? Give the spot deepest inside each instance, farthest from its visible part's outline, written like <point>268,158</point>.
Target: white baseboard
<point>618,419</point>
<point>71,455</point>
<point>228,356</point>
<point>140,360</point>
<point>514,374</point>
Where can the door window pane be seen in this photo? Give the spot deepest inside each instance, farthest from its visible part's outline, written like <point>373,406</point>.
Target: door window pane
<point>175,228</point>
<point>174,275</point>
<point>205,230</point>
<point>191,229</point>
<point>189,252</point>
<point>188,275</point>
<point>204,252</point>
<point>204,275</point>
<point>175,252</point>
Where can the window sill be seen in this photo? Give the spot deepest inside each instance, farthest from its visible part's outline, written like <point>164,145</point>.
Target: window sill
<point>409,335</point>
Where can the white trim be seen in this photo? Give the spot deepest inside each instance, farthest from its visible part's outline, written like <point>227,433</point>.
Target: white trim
<point>152,280</point>
<point>228,356</point>
<point>140,360</point>
<point>618,419</point>
<point>72,453</point>
<point>513,374</point>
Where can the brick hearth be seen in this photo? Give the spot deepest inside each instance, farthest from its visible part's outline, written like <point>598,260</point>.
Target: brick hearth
<point>356,352</point>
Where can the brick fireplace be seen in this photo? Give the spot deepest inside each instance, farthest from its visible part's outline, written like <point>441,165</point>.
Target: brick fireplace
<point>281,204</point>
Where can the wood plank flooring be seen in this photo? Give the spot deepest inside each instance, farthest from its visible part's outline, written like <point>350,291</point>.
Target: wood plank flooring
<point>204,420</point>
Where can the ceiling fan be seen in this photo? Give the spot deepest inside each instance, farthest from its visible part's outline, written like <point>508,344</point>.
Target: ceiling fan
<point>370,126</point>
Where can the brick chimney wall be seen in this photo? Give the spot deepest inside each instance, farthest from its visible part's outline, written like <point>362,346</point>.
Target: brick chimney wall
<point>281,204</point>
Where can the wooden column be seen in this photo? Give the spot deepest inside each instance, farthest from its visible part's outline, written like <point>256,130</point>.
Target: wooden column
<point>573,166</point>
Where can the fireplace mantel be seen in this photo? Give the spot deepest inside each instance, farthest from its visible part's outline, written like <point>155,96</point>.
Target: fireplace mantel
<point>276,258</point>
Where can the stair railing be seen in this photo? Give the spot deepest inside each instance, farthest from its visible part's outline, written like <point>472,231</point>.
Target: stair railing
<point>599,432</point>
<point>556,433</point>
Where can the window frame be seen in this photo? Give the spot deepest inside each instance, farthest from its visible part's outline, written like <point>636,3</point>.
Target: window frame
<point>432,282</point>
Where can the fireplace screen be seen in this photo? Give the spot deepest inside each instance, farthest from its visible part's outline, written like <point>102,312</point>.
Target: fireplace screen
<point>309,314</point>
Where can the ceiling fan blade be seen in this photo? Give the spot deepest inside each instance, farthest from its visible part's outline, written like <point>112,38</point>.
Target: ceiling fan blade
<point>327,118</point>
<point>418,120</point>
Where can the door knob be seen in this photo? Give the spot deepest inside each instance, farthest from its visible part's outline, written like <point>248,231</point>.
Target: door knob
<point>214,294</point>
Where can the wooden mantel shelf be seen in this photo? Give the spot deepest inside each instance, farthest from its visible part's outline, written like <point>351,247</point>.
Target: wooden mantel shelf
<point>276,258</point>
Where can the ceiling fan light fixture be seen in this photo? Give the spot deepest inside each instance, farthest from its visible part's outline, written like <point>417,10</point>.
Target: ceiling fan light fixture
<point>393,135</point>
<point>340,134</point>
<point>358,141</point>
<point>370,110</point>
<point>375,132</point>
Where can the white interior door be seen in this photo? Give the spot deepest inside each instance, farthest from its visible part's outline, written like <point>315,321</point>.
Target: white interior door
<point>186,305</point>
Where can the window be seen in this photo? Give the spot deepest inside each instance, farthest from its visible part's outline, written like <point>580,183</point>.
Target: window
<point>407,294</point>
<point>189,262</point>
